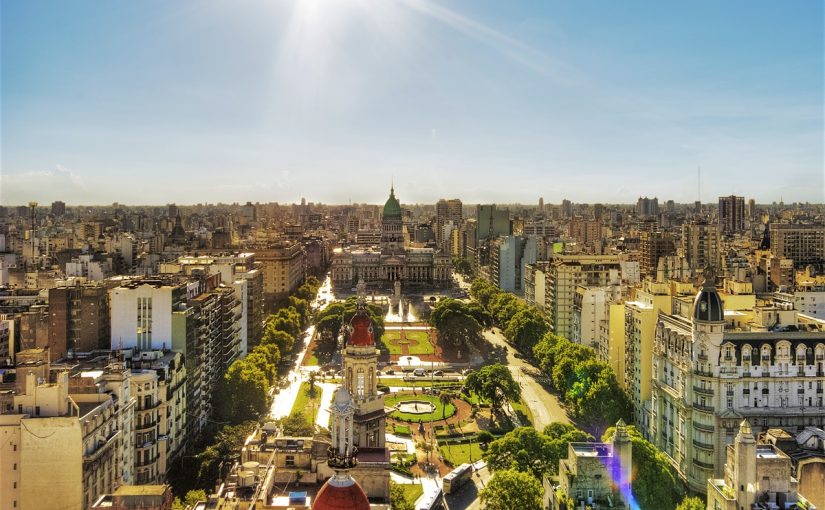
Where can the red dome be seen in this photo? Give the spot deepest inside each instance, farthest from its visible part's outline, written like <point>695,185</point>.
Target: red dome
<point>341,493</point>
<point>361,330</point>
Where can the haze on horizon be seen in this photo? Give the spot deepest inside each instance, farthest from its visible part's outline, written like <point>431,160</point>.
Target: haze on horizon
<point>203,102</point>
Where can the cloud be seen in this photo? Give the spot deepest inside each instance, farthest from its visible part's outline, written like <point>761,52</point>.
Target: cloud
<point>59,183</point>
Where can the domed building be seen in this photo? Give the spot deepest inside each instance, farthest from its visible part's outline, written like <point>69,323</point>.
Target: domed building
<point>393,260</point>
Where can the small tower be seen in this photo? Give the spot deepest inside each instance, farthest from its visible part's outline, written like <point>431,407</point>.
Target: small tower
<point>708,320</point>
<point>744,472</point>
<point>341,491</point>
<point>622,459</point>
<point>360,360</point>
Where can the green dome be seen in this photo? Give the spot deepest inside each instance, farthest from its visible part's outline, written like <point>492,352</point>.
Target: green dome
<point>392,209</point>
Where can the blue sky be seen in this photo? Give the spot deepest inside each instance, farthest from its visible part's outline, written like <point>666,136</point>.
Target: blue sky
<point>153,102</point>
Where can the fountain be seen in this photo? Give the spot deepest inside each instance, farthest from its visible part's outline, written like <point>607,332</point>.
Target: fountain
<point>398,309</point>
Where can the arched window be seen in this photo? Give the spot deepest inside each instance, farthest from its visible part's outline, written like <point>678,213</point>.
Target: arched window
<point>360,385</point>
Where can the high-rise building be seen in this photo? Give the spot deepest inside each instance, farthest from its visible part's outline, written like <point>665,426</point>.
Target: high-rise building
<point>647,207</point>
<point>566,209</point>
<point>653,246</point>
<point>58,208</point>
<point>731,215</point>
<point>805,244</point>
<point>492,222</point>
<point>700,244</point>
<point>79,318</point>
<point>447,211</point>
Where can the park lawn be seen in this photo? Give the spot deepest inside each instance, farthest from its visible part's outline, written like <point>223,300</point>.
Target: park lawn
<point>421,347</point>
<point>458,454</point>
<point>392,400</point>
<point>402,430</point>
<point>412,491</point>
<point>312,361</point>
<point>307,404</point>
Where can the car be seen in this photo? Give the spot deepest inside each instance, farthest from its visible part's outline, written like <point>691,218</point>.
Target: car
<point>518,355</point>
<point>438,372</point>
<point>419,372</point>
<point>389,371</point>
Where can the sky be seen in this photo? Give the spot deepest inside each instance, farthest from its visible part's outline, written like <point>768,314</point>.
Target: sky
<point>203,101</point>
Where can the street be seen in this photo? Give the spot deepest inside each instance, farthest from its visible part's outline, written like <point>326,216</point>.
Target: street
<point>545,406</point>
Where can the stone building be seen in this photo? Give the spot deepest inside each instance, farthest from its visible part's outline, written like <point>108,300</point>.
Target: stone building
<point>756,477</point>
<point>393,260</point>
<point>594,474</point>
<point>707,377</point>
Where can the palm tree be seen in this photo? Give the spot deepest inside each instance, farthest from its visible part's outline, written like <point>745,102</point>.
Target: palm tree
<point>445,397</point>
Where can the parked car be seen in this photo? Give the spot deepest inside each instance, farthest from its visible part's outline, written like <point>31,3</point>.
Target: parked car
<point>438,372</point>
<point>389,371</point>
<point>419,372</point>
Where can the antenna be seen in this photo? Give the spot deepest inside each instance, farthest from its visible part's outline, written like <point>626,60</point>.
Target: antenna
<point>699,184</point>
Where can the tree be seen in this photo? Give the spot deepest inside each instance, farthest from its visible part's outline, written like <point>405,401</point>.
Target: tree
<point>483,292</point>
<point>270,351</point>
<point>595,398</point>
<point>503,307</point>
<point>281,339</point>
<point>655,484</point>
<point>693,503</point>
<point>398,498</point>
<point>455,323</point>
<point>243,394</point>
<point>526,328</point>
<point>258,359</point>
<point>494,383</point>
<point>445,397</point>
<point>227,441</point>
<point>296,425</point>
<point>523,449</point>
<point>286,319</point>
<point>301,306</point>
<point>463,266</point>
<point>312,376</point>
<point>512,489</point>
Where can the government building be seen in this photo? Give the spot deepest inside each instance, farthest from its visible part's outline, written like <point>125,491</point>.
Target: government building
<point>393,260</point>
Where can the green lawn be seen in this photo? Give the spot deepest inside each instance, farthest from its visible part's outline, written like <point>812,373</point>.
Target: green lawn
<point>423,345</point>
<point>402,430</point>
<point>438,414</point>
<point>307,404</point>
<point>412,491</point>
<point>457,454</point>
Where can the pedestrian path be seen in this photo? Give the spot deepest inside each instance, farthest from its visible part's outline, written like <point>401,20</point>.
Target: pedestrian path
<point>322,418</point>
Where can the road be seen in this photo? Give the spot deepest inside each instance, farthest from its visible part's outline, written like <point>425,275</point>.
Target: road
<point>282,404</point>
<point>466,498</point>
<point>545,406</point>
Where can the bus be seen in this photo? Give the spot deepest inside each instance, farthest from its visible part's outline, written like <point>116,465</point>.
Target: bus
<point>457,477</point>
<point>432,500</point>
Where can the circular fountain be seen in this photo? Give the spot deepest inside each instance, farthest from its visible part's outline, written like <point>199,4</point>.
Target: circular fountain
<point>416,407</point>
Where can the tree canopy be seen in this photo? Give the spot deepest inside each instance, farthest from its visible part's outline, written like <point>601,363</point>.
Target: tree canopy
<point>243,394</point>
<point>494,383</point>
<point>456,323</point>
<point>693,503</point>
<point>328,320</point>
<point>528,450</point>
<point>526,328</point>
<point>587,385</point>
<point>511,489</point>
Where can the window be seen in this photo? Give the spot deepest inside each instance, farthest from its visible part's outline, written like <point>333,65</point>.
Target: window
<point>290,461</point>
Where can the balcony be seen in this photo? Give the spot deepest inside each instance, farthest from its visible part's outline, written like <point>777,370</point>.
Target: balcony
<point>143,463</point>
<point>704,428</point>
<point>703,408</point>
<point>102,448</point>
<point>704,446</point>
<point>145,426</point>
<point>704,391</point>
<point>703,465</point>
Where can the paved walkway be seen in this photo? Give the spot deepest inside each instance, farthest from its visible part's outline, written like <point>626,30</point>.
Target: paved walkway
<point>322,418</point>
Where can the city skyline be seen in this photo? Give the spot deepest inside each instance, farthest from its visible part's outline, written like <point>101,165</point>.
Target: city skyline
<point>189,102</point>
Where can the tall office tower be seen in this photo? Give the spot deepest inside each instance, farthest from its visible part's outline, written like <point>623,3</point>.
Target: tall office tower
<point>731,215</point>
<point>172,210</point>
<point>751,209</point>
<point>492,222</point>
<point>541,204</point>
<point>58,208</point>
<point>700,244</point>
<point>447,211</point>
<point>654,245</point>
<point>805,244</point>
<point>566,209</point>
<point>647,207</point>
<point>598,212</point>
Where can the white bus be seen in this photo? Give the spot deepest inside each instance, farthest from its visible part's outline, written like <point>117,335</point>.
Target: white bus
<point>457,477</point>
<point>432,500</point>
